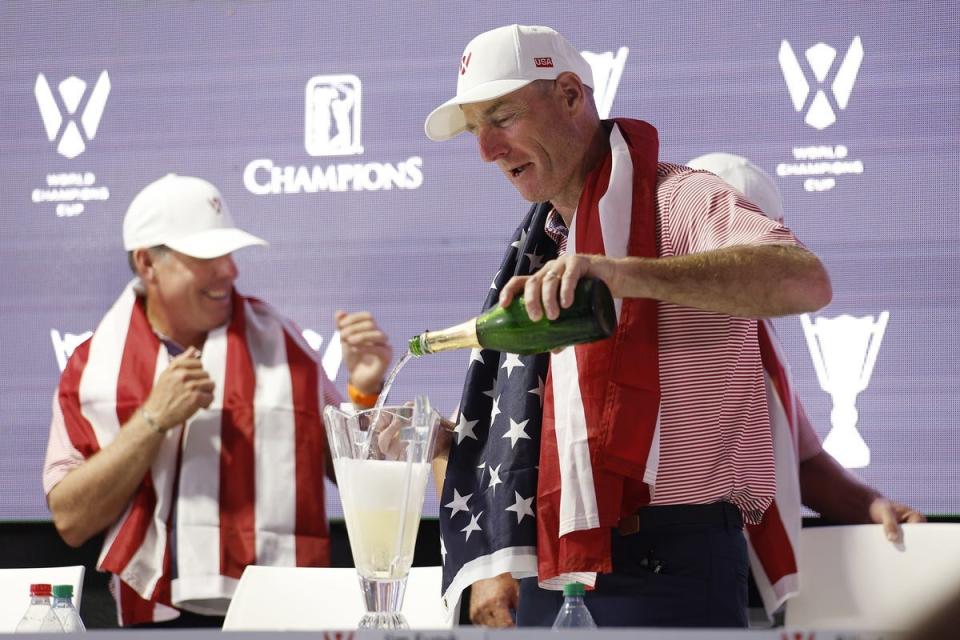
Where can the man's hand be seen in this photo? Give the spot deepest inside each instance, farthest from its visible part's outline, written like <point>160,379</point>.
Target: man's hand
<point>443,439</point>
<point>747,281</point>
<point>94,495</point>
<point>552,287</point>
<point>491,601</point>
<point>840,497</point>
<point>366,349</point>
<point>890,514</point>
<point>181,390</point>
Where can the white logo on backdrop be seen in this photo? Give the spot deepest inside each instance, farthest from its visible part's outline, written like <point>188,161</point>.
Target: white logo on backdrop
<point>72,91</point>
<point>333,116</point>
<point>820,112</point>
<point>332,128</point>
<point>607,69</point>
<point>64,345</point>
<point>332,355</point>
<point>844,350</point>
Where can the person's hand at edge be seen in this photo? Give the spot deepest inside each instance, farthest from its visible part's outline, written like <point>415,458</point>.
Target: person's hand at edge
<point>491,601</point>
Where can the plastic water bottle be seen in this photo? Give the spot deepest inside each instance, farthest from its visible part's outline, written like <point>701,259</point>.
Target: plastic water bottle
<point>39,612</point>
<point>65,613</point>
<point>574,613</point>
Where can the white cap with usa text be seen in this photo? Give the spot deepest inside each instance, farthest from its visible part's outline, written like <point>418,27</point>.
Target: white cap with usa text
<point>501,61</point>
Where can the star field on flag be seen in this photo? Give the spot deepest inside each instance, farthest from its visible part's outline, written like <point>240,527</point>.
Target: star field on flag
<point>489,492</point>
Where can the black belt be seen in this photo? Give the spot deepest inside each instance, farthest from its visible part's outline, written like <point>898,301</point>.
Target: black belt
<point>651,517</point>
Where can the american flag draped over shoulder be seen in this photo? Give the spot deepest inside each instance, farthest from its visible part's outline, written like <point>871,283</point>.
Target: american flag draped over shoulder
<point>244,476</point>
<point>487,520</point>
<point>489,523</point>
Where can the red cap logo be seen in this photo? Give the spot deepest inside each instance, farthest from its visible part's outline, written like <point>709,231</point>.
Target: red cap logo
<point>465,62</point>
<point>543,62</point>
<point>216,205</point>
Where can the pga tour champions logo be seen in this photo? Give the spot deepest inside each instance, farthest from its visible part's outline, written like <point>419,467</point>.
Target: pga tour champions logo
<point>607,69</point>
<point>332,125</point>
<point>820,112</point>
<point>72,92</point>
<point>844,350</point>
<point>333,116</point>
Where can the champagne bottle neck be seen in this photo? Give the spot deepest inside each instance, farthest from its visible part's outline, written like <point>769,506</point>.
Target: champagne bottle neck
<point>461,336</point>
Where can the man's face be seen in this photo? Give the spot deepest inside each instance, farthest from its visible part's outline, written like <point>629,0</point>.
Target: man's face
<point>529,135</point>
<point>192,295</point>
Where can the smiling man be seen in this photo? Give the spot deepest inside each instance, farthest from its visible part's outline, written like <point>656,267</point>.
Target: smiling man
<point>189,426</point>
<point>645,453</point>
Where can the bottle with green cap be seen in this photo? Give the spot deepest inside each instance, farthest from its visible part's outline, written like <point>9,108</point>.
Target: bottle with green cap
<point>574,613</point>
<point>592,316</point>
<point>68,620</point>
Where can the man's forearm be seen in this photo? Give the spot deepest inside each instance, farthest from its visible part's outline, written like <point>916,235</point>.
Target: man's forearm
<point>439,473</point>
<point>91,497</point>
<point>833,492</point>
<point>746,281</point>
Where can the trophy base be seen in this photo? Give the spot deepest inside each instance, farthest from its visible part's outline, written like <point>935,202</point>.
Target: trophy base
<point>383,599</point>
<point>847,446</point>
<point>383,621</point>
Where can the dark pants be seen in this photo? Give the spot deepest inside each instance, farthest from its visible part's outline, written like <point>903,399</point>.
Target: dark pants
<point>686,566</point>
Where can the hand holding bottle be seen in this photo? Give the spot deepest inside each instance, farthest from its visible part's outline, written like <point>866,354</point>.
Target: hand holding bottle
<point>591,315</point>
<point>553,286</point>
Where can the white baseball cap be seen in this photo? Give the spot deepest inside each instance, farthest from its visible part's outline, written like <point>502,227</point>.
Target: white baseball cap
<point>501,61</point>
<point>186,214</point>
<point>746,177</point>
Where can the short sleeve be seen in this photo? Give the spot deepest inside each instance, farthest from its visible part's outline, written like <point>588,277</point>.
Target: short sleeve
<point>62,456</point>
<point>705,213</point>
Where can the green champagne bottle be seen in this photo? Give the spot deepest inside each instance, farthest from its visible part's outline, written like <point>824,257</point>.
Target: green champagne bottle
<point>591,317</point>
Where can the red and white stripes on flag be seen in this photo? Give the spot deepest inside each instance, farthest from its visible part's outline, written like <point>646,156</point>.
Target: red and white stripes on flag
<point>601,406</point>
<point>240,483</point>
<point>773,543</point>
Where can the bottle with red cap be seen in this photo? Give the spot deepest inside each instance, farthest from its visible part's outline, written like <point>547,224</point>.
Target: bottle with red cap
<point>39,614</point>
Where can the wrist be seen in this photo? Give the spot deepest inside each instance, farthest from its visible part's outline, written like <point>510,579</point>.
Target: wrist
<point>363,398</point>
<point>609,270</point>
<point>152,421</point>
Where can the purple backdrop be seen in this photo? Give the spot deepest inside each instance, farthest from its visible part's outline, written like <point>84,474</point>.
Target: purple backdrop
<point>309,117</point>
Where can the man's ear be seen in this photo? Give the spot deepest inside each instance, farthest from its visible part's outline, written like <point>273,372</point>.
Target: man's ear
<point>143,263</point>
<point>573,91</point>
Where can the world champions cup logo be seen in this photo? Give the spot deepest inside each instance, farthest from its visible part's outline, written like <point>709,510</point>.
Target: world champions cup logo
<point>71,91</point>
<point>844,350</point>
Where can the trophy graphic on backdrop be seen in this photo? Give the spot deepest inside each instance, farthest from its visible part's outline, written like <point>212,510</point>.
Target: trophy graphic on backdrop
<point>843,350</point>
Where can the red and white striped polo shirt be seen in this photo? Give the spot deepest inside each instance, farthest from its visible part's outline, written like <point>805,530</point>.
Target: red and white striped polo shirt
<point>715,441</point>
